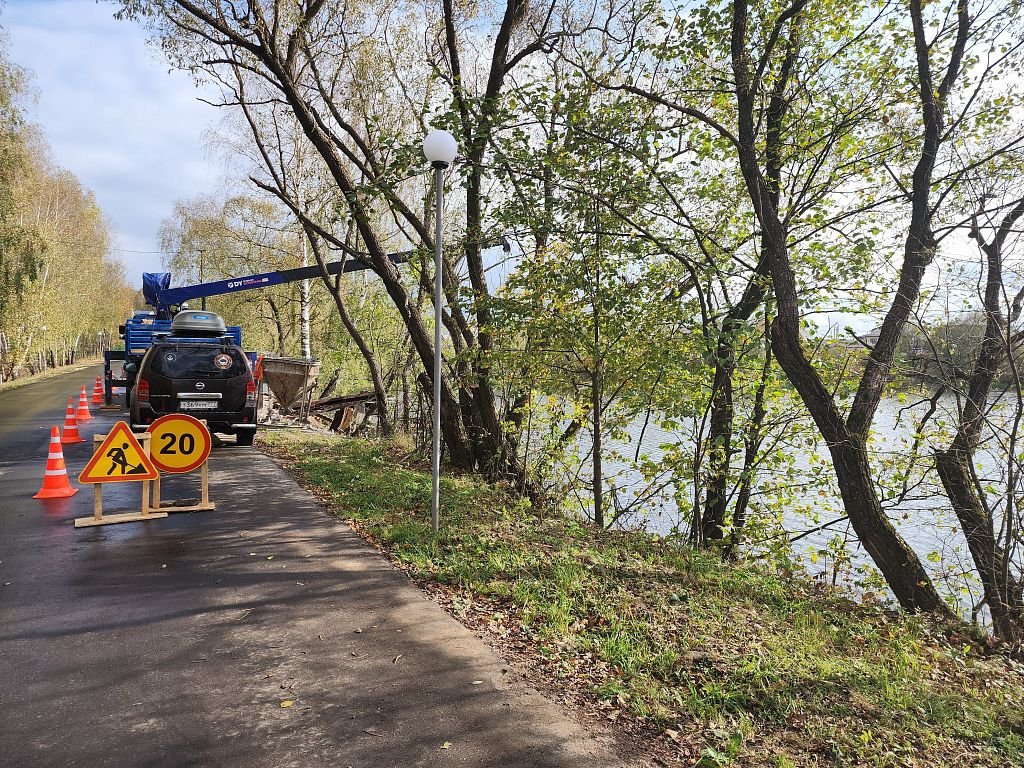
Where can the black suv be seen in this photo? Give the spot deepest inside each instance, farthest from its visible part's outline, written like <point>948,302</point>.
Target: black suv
<point>196,372</point>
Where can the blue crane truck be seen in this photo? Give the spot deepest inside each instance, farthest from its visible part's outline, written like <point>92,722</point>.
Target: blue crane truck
<point>144,328</point>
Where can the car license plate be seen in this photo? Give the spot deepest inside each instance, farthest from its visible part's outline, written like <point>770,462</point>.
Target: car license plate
<point>197,405</point>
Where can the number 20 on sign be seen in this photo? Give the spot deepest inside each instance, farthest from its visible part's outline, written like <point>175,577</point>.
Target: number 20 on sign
<point>180,443</point>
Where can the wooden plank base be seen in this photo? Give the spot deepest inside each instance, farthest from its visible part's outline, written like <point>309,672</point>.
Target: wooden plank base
<point>194,508</point>
<point>203,505</point>
<point>126,517</point>
<point>146,513</point>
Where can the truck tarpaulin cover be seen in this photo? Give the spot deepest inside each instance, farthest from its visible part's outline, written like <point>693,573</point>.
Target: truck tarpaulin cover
<point>153,284</point>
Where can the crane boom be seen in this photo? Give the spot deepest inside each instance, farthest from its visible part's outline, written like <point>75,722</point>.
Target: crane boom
<point>166,298</point>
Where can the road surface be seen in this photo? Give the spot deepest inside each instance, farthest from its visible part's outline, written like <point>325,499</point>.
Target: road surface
<point>174,642</point>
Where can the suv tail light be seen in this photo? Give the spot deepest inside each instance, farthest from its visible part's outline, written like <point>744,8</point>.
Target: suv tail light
<point>142,391</point>
<point>250,394</point>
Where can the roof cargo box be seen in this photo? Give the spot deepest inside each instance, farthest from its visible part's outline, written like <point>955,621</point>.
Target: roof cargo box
<point>195,322</point>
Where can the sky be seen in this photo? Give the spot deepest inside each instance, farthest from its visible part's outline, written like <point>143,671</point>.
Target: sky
<point>115,116</point>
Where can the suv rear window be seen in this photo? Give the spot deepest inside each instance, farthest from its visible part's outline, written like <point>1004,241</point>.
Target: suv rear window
<point>198,361</point>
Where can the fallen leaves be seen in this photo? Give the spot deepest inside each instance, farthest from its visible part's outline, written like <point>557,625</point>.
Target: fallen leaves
<point>287,703</point>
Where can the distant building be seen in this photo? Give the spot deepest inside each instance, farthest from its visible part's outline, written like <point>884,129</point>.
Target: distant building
<point>870,338</point>
<point>850,339</point>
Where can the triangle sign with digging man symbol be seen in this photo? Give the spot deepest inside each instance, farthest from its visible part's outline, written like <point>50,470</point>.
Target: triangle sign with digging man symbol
<point>120,458</point>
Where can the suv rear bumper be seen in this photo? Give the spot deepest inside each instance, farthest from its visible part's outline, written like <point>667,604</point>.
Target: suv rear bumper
<point>235,427</point>
<point>230,422</point>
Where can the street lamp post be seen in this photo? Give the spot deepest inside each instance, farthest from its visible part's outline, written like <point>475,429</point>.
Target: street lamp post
<point>202,277</point>
<point>440,149</point>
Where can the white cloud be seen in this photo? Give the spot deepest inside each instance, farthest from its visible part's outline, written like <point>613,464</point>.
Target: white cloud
<point>129,129</point>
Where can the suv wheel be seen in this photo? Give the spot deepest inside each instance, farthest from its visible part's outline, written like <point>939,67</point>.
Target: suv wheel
<point>244,436</point>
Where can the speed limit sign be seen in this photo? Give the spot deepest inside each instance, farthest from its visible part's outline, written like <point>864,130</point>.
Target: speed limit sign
<point>180,443</point>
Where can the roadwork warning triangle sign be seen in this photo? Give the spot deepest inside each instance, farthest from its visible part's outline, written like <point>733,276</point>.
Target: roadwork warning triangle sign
<point>120,458</point>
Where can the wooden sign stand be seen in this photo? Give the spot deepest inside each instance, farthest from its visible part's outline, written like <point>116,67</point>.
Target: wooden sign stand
<point>174,432</point>
<point>98,518</point>
<point>204,504</point>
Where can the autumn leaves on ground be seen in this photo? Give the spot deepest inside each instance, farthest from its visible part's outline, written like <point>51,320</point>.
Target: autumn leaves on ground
<point>692,660</point>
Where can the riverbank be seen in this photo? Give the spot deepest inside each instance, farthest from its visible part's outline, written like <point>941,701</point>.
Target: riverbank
<point>691,661</point>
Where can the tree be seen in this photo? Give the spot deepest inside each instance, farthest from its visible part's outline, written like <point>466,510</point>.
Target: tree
<point>587,309</point>
<point>79,294</point>
<point>847,436</point>
<point>20,245</point>
<point>993,536</point>
<point>799,146</point>
<point>310,62</point>
<point>210,239</point>
<point>661,203</point>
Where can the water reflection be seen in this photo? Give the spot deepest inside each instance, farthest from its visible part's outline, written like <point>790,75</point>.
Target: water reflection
<point>798,500</point>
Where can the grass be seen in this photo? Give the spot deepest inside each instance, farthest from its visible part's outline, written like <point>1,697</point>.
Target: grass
<point>707,663</point>
<point>49,373</point>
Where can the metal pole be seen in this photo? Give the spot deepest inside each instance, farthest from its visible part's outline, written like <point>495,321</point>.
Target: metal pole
<point>435,501</point>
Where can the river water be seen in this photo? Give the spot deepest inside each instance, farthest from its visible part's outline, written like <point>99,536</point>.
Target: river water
<point>796,493</point>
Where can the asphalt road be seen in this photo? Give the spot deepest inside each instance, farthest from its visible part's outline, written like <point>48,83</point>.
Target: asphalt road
<point>174,642</point>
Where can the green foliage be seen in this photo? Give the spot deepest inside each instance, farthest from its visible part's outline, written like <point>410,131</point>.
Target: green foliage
<point>60,292</point>
<point>585,310</point>
<point>20,246</point>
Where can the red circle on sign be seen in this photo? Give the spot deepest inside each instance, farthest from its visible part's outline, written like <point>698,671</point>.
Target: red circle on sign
<point>184,422</point>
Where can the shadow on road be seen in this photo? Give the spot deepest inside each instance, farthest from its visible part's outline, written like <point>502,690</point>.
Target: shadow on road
<point>180,642</point>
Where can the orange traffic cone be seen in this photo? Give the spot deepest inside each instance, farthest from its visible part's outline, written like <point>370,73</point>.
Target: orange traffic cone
<point>97,392</point>
<point>70,434</point>
<point>83,407</point>
<point>55,479</point>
